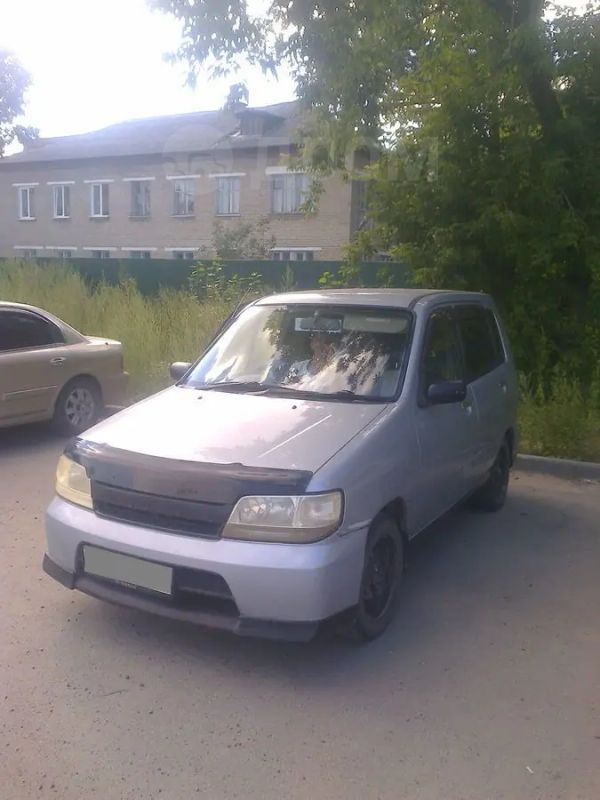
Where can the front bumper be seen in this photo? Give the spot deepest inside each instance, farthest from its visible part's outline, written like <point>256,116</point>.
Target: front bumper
<point>278,590</point>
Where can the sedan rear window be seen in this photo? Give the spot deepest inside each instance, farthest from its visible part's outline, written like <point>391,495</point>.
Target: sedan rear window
<point>22,329</point>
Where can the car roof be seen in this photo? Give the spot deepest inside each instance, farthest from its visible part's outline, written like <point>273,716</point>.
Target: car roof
<point>388,298</point>
<point>24,306</point>
<point>64,326</point>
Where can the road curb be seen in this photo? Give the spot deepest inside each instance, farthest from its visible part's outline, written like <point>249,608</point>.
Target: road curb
<point>559,467</point>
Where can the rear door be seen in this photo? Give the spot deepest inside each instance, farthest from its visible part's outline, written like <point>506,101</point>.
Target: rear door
<point>32,351</point>
<point>488,376</point>
<point>447,433</point>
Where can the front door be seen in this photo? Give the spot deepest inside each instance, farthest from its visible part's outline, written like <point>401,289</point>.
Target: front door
<point>31,354</point>
<point>447,434</point>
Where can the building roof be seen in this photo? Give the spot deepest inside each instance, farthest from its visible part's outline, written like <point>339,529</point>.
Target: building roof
<point>200,131</point>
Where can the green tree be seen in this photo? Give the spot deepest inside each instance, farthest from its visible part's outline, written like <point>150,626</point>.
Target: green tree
<point>486,113</point>
<point>14,81</point>
<point>237,240</point>
<point>237,97</point>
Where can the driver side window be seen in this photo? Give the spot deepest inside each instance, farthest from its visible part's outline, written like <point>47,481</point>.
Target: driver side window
<point>442,357</point>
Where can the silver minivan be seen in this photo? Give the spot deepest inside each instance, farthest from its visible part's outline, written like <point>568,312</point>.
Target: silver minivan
<point>277,484</point>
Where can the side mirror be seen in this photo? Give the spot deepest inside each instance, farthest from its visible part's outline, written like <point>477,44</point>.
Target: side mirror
<point>446,392</point>
<point>178,369</point>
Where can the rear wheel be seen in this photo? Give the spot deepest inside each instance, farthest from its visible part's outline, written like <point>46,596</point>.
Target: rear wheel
<point>492,495</point>
<point>382,574</point>
<point>78,406</point>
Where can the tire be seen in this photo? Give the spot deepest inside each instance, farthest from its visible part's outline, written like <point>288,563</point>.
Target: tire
<point>78,407</point>
<point>492,495</point>
<point>381,578</point>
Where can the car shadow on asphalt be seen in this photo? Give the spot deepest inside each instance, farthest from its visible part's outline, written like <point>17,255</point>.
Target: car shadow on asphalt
<point>24,438</point>
<point>468,573</point>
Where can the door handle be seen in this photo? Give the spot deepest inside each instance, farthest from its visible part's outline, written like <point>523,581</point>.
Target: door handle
<point>56,362</point>
<point>467,406</point>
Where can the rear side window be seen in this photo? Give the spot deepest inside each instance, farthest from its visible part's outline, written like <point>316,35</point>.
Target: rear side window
<point>21,329</point>
<point>481,341</point>
<point>442,359</point>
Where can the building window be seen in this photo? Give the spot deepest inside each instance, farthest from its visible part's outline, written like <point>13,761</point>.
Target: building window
<point>183,255</point>
<point>26,208</point>
<point>293,255</point>
<point>140,254</point>
<point>140,198</point>
<point>228,195</point>
<point>63,254</point>
<point>61,201</point>
<point>289,192</point>
<point>99,199</point>
<point>100,253</point>
<point>28,253</point>
<point>183,198</point>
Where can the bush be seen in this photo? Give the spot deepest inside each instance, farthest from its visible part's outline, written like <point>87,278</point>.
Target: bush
<point>170,326</point>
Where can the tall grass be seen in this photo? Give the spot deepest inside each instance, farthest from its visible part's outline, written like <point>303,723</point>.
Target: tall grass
<point>559,417</point>
<point>155,331</point>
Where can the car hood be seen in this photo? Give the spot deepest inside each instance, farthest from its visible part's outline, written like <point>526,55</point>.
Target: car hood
<point>226,428</point>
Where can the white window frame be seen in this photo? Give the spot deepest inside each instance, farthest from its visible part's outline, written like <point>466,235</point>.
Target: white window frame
<point>228,193</point>
<point>102,186</point>
<point>294,253</point>
<point>26,191</point>
<point>185,188</point>
<point>290,196</point>
<point>141,255</point>
<point>62,191</point>
<point>99,252</point>
<point>146,206</point>
<point>100,247</point>
<point>27,251</point>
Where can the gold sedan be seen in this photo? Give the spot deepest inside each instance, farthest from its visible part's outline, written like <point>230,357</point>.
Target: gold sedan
<point>50,371</point>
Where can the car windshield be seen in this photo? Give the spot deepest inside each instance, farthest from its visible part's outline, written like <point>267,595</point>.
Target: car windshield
<point>348,352</point>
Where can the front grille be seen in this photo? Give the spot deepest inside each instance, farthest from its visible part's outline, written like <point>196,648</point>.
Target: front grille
<point>173,514</point>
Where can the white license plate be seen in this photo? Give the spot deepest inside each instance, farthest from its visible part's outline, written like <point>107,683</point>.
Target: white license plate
<point>128,570</point>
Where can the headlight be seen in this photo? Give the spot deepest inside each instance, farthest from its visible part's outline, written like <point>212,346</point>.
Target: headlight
<point>72,482</point>
<point>307,518</point>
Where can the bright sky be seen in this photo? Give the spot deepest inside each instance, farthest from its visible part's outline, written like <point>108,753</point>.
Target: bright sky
<point>95,62</point>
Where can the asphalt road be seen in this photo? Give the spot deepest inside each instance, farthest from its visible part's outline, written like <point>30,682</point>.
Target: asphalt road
<point>486,687</point>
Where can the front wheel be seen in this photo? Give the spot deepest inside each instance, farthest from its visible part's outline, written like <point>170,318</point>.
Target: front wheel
<point>78,406</point>
<point>492,495</point>
<point>382,574</point>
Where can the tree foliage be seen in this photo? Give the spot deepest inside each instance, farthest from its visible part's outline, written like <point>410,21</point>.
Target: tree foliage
<point>236,240</point>
<point>14,81</point>
<point>487,115</point>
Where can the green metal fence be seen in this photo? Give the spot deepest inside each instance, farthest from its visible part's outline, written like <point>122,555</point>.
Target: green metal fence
<point>152,274</point>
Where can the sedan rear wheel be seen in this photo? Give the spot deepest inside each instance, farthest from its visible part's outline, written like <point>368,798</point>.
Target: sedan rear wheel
<point>78,406</point>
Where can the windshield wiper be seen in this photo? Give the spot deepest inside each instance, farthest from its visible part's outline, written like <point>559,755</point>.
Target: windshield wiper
<point>294,391</point>
<point>237,386</point>
<point>342,394</point>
